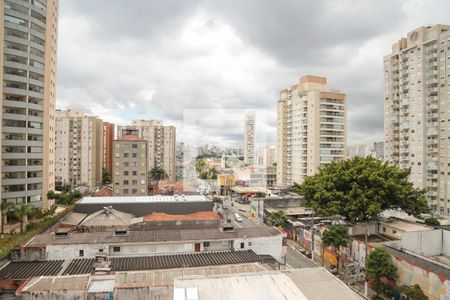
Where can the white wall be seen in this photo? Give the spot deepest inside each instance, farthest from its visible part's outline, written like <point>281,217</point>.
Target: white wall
<point>446,243</point>
<point>426,243</point>
<point>272,245</point>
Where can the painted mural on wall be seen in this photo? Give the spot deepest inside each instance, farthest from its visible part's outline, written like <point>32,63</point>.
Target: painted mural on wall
<point>432,285</point>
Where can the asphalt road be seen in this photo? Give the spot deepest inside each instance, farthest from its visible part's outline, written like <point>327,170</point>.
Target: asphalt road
<point>295,259</point>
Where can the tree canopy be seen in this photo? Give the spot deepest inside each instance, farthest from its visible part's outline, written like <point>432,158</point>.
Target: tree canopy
<point>157,174</point>
<point>278,218</point>
<point>360,189</point>
<point>379,264</point>
<point>336,237</point>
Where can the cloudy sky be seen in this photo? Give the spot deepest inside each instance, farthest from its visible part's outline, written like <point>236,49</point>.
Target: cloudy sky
<point>200,65</point>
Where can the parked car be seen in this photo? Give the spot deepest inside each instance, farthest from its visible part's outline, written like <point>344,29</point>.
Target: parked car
<point>332,269</point>
<point>237,217</point>
<point>308,253</point>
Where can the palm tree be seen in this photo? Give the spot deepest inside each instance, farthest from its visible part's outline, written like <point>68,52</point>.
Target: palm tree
<point>4,208</point>
<point>21,212</point>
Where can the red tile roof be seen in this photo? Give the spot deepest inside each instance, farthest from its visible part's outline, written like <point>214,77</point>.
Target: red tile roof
<point>103,192</point>
<point>168,217</point>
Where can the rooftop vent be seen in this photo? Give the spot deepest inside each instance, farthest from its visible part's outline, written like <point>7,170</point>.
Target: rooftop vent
<point>62,232</point>
<point>120,232</point>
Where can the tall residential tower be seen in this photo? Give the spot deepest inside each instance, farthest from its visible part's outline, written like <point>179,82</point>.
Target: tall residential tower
<point>79,149</point>
<point>312,129</point>
<point>249,139</point>
<point>28,74</point>
<point>417,110</point>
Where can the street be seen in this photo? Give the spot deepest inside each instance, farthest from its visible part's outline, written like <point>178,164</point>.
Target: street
<point>295,259</point>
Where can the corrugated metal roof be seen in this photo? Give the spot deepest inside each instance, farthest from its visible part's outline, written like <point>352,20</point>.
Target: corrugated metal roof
<point>183,260</point>
<point>25,270</point>
<point>28,269</point>
<point>64,283</point>
<point>143,199</point>
<point>153,236</point>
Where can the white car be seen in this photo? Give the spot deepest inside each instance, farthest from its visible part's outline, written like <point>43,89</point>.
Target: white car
<point>237,217</point>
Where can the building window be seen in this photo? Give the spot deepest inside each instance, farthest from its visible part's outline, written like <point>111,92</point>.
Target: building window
<point>384,229</point>
<point>205,244</point>
<point>394,231</point>
<point>81,253</point>
<point>242,245</point>
<point>134,146</point>
<point>100,250</point>
<point>249,243</point>
<point>116,249</point>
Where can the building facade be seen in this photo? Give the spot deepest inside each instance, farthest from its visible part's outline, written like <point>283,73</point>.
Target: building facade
<point>269,156</point>
<point>311,129</point>
<point>130,166</point>
<point>161,143</point>
<point>378,149</point>
<point>416,103</point>
<point>108,140</point>
<point>28,75</point>
<point>78,149</point>
<point>357,150</point>
<point>249,138</point>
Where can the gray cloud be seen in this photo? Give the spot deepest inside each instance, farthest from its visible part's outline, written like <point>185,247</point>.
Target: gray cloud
<point>155,59</point>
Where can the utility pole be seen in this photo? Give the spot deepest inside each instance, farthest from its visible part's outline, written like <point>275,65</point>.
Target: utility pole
<point>312,235</point>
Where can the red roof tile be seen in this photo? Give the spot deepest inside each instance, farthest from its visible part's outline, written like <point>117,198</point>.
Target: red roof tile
<point>168,217</point>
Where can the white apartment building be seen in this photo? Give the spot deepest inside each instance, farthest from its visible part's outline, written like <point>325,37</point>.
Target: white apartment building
<point>161,143</point>
<point>312,129</point>
<point>78,149</point>
<point>249,139</point>
<point>28,33</point>
<point>358,150</point>
<point>268,156</point>
<point>417,110</point>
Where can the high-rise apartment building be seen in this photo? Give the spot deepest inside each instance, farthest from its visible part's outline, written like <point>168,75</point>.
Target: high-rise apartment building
<point>78,149</point>
<point>108,140</point>
<point>28,74</point>
<point>378,149</point>
<point>312,129</point>
<point>269,156</point>
<point>161,142</point>
<point>130,166</point>
<point>249,138</point>
<point>417,110</point>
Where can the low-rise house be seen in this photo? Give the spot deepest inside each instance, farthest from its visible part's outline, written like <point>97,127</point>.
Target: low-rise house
<point>394,227</point>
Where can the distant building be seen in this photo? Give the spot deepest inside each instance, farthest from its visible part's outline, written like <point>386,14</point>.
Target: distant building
<point>378,149</point>
<point>312,129</point>
<point>269,156</point>
<point>108,140</point>
<point>130,166</point>
<point>161,143</point>
<point>249,138</point>
<point>78,149</point>
<point>357,150</point>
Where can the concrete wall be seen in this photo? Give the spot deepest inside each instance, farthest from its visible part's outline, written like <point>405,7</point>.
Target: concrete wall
<point>360,229</point>
<point>432,285</point>
<point>446,243</point>
<point>262,246</point>
<point>426,243</point>
<point>179,224</point>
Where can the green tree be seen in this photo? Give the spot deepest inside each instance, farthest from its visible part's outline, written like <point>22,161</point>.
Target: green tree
<point>278,218</point>
<point>106,177</point>
<point>413,292</point>
<point>432,221</point>
<point>360,189</point>
<point>4,207</point>
<point>336,237</point>
<point>51,194</point>
<point>21,212</point>
<point>156,174</point>
<point>379,265</point>
<point>199,165</point>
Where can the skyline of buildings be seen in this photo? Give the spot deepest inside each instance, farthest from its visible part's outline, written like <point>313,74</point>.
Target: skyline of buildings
<point>108,140</point>
<point>312,129</point>
<point>78,149</point>
<point>28,75</point>
<point>417,110</point>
